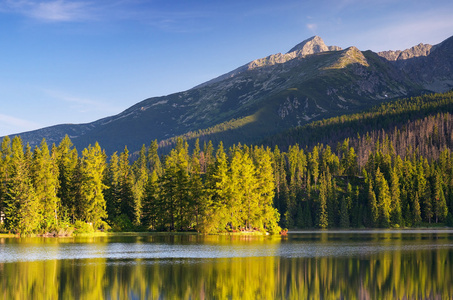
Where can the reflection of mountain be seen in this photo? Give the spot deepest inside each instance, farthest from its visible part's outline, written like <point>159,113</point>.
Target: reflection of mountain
<point>269,95</point>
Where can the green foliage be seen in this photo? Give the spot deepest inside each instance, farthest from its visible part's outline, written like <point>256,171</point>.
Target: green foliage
<point>83,227</point>
<point>122,223</point>
<point>369,181</point>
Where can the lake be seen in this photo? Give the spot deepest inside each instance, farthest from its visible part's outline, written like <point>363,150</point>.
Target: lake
<point>354,264</point>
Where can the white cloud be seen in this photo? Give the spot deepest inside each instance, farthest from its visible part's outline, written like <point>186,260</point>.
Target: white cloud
<point>10,122</point>
<point>405,34</point>
<point>80,104</point>
<point>312,26</point>
<point>50,11</point>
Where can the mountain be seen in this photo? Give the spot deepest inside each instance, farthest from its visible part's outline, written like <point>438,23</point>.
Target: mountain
<point>312,81</point>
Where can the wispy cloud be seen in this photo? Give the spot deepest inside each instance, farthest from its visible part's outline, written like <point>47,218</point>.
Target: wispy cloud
<point>50,11</point>
<point>407,32</point>
<point>13,122</point>
<point>170,19</point>
<point>80,104</point>
<point>312,27</point>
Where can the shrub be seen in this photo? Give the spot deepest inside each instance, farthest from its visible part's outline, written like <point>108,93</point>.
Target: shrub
<point>83,227</point>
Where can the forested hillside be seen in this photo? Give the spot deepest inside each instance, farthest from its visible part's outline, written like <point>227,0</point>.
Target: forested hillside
<point>389,167</point>
<point>268,96</point>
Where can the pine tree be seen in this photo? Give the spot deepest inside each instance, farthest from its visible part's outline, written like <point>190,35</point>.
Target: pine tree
<point>154,163</point>
<point>248,185</point>
<point>383,199</point>
<point>46,184</point>
<point>151,209</point>
<point>344,214</point>
<point>140,172</point>
<point>267,217</point>
<point>125,185</point>
<point>314,163</point>
<point>372,205</point>
<point>112,184</point>
<point>416,214</point>
<point>196,188</point>
<point>174,188</point>
<point>218,194</point>
<point>23,208</point>
<point>440,204</point>
<point>67,161</point>
<point>5,171</point>
<point>395,207</point>
<point>422,189</point>
<point>322,207</point>
<point>236,204</point>
<point>93,206</point>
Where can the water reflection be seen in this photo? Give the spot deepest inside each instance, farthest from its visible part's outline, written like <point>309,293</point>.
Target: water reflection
<point>309,265</point>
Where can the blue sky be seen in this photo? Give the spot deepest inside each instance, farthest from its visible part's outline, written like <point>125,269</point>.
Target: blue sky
<point>78,61</point>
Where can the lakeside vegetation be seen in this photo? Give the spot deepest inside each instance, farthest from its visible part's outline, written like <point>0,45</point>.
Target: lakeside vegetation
<point>381,178</point>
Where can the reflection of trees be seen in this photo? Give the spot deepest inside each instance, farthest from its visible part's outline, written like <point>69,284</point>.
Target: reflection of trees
<point>387,275</point>
<point>53,279</point>
<point>395,275</point>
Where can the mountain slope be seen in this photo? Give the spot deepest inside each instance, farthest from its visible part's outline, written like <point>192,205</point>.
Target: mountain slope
<point>266,96</point>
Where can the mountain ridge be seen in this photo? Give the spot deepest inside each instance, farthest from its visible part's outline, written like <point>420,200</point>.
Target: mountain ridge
<point>274,93</point>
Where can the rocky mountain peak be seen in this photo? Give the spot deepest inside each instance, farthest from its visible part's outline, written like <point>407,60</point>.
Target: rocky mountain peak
<point>313,45</point>
<point>416,51</point>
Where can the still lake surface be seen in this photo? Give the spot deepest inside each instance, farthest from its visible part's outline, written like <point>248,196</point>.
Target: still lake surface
<point>378,264</point>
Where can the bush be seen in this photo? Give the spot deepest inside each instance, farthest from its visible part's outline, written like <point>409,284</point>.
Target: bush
<point>122,223</point>
<point>83,227</point>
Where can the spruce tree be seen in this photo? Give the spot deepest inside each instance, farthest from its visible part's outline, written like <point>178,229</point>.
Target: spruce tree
<point>93,206</point>
<point>440,204</point>
<point>322,203</point>
<point>46,184</point>
<point>395,208</point>
<point>196,188</point>
<point>383,199</point>
<point>112,185</point>
<point>372,206</point>
<point>126,182</point>
<point>151,209</point>
<point>154,163</point>
<point>344,214</point>
<point>67,161</point>
<point>23,211</point>
<point>5,171</point>
<point>267,216</point>
<point>140,172</point>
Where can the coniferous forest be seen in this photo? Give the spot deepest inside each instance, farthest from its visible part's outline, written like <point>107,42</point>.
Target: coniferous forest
<point>395,168</point>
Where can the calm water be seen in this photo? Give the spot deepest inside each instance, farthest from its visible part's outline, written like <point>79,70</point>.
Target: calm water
<point>385,264</point>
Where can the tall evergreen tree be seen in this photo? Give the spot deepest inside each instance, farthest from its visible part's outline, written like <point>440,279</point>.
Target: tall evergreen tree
<point>112,187</point>
<point>67,161</point>
<point>151,209</point>
<point>440,204</point>
<point>46,184</point>
<point>395,207</point>
<point>154,163</point>
<point>322,205</point>
<point>383,199</point>
<point>372,205</point>
<point>93,206</point>
<point>5,171</point>
<point>140,172</point>
<point>23,208</point>
<point>196,190</point>
<point>267,216</point>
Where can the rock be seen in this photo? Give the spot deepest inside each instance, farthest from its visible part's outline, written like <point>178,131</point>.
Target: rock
<point>313,45</point>
<point>416,51</point>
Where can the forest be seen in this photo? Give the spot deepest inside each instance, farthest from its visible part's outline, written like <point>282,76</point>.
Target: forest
<point>397,173</point>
